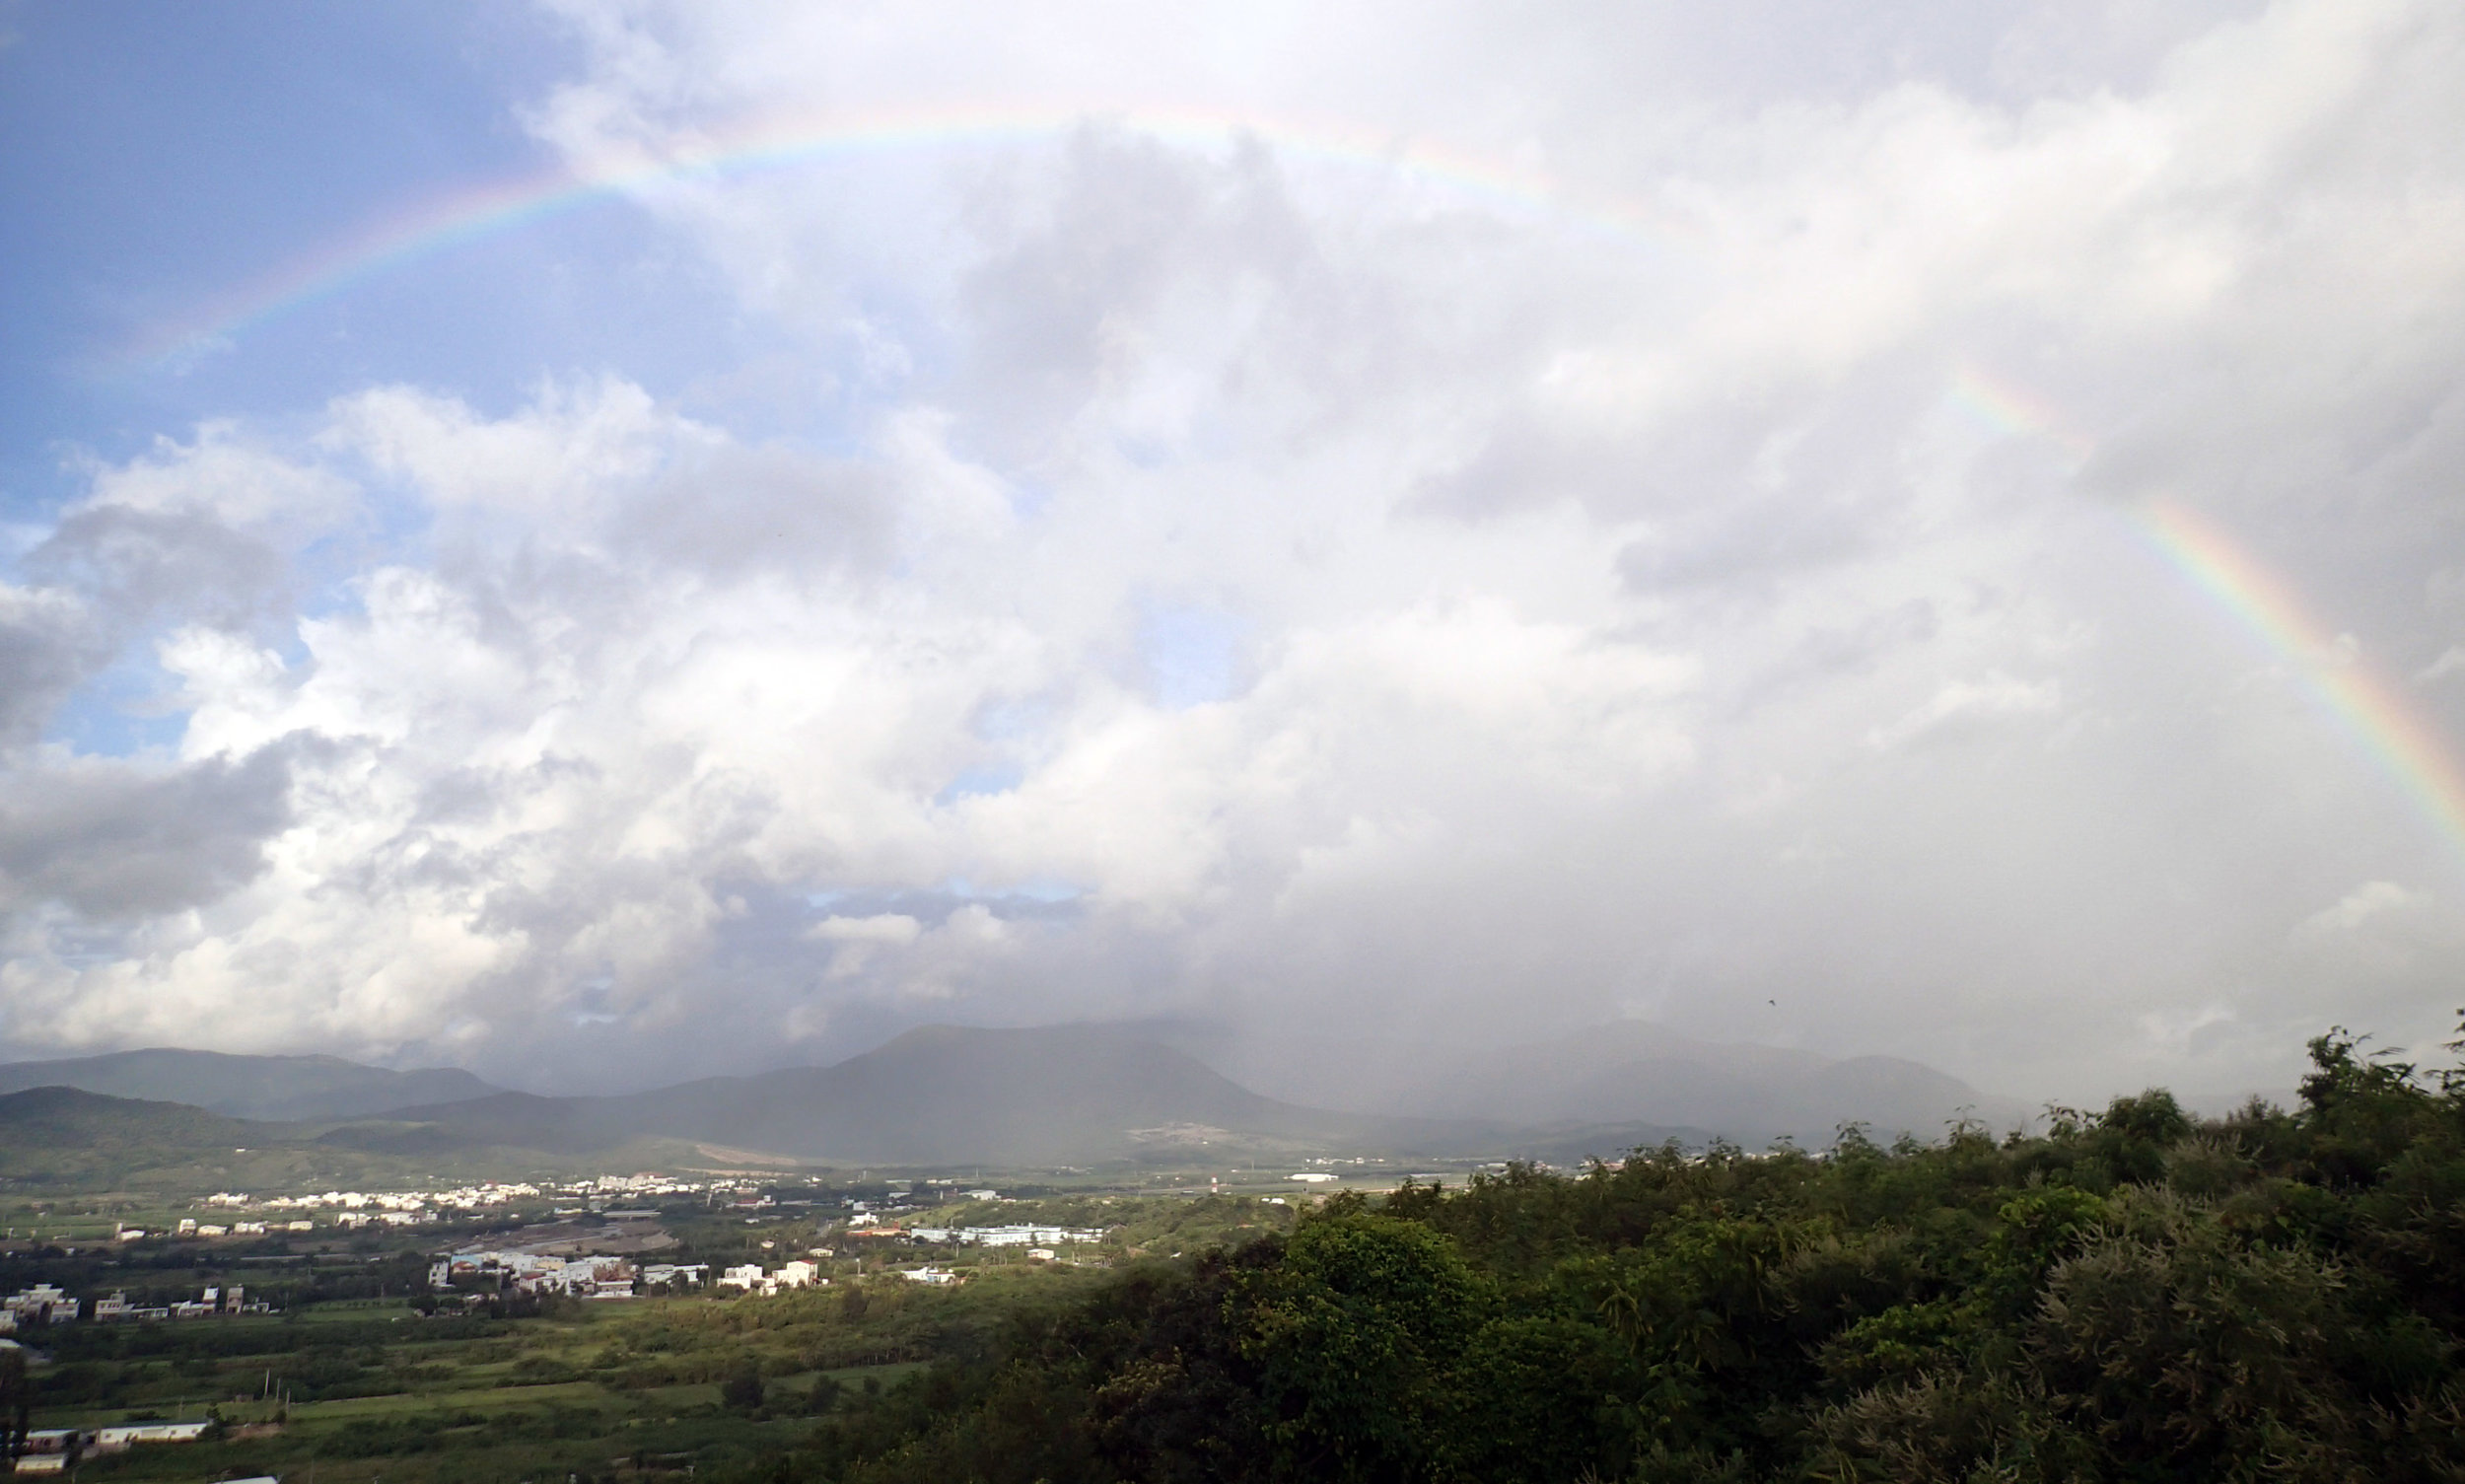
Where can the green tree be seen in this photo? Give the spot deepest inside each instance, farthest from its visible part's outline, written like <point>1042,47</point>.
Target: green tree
<point>1355,1334</point>
<point>16,1401</point>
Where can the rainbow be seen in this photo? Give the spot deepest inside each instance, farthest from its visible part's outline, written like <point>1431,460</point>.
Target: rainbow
<point>474,213</point>
<point>2007,409</point>
<point>2408,746</point>
<point>2375,714</point>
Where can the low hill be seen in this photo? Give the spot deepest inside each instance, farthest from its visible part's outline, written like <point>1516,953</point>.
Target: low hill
<point>67,1135</point>
<point>58,1140</point>
<point>271,1088</point>
<point>73,1118</point>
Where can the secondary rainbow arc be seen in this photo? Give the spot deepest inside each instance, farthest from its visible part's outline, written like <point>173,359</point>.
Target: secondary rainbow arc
<point>2406,745</point>
<point>488,210</point>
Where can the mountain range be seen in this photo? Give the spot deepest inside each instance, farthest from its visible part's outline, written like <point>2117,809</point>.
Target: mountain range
<point>1633,1072</point>
<point>949,1096</point>
<point>938,1095</point>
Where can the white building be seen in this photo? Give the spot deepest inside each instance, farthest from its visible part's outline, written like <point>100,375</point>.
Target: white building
<point>115,1440</point>
<point>43,1304</point>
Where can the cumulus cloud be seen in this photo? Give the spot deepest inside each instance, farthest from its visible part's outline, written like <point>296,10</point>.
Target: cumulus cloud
<point>1375,529</point>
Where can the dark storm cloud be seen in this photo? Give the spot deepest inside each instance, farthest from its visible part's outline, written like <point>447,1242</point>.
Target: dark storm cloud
<point>117,841</point>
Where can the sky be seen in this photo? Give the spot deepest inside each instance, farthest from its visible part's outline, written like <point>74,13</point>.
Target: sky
<point>612,540</point>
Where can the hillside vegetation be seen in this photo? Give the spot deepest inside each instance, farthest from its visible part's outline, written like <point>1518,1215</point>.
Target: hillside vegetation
<point>2133,1296</point>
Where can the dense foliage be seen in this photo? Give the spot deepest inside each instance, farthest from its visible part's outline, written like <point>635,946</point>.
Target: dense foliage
<point>2133,1295</point>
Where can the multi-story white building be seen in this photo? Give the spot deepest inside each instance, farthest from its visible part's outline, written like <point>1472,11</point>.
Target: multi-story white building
<point>43,1304</point>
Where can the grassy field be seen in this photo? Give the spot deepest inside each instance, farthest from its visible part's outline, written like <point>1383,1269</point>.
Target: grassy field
<point>655,1388</point>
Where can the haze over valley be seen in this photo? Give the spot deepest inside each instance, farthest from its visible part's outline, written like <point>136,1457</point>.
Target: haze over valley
<point>945,1096</point>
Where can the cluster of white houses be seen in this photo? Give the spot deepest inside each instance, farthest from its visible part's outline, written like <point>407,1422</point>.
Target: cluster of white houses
<point>600,1277</point>
<point>802,1274</point>
<point>190,1227</point>
<point>58,1450</point>
<point>215,1301</point>
<point>263,1215</point>
<point>1008,1236</point>
<point>752,1280</point>
<point>45,1304</point>
<point>589,1277</point>
<point>465,1197</point>
<point>376,1203</point>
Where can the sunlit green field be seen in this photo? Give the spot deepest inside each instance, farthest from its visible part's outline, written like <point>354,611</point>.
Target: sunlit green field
<point>358,1390</point>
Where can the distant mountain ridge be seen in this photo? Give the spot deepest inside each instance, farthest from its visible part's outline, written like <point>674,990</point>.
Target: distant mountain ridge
<point>1637,1072</point>
<point>273,1089</point>
<point>947,1096</point>
<point>938,1095</point>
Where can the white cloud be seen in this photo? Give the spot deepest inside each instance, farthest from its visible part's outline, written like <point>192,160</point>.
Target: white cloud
<point>2451,661</point>
<point>1996,698</point>
<point>2364,907</point>
<point>223,475</point>
<point>895,928</point>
